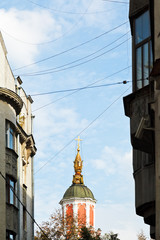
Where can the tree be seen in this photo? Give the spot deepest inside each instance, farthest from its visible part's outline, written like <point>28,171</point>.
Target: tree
<point>59,227</point>
<point>110,236</point>
<point>89,234</point>
<point>141,236</point>
<point>86,234</point>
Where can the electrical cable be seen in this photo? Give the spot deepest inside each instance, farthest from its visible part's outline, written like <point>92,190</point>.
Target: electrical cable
<point>23,205</point>
<point>45,72</point>
<point>53,40</point>
<point>116,1</point>
<point>46,105</point>
<point>65,12</point>
<point>70,49</point>
<point>82,88</point>
<point>81,131</point>
<point>77,60</point>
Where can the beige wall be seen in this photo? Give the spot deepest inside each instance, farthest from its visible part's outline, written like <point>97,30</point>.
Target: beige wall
<point>6,112</point>
<point>24,160</point>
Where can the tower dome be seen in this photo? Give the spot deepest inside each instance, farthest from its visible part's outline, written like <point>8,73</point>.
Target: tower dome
<point>78,191</point>
<point>78,200</point>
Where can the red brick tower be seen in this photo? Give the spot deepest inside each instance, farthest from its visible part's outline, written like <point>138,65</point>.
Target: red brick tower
<point>78,200</point>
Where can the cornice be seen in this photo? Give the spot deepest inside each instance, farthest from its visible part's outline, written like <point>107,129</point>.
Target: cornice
<point>24,137</point>
<point>77,200</point>
<point>11,98</point>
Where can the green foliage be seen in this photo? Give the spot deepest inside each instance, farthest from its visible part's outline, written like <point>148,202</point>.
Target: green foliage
<point>89,234</point>
<point>85,234</point>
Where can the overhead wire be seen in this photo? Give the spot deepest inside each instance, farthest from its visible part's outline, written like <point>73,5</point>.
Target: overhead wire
<point>81,131</point>
<point>70,49</point>
<point>77,60</point>
<point>82,88</point>
<point>10,186</point>
<point>53,40</point>
<point>66,12</point>
<point>67,95</point>
<point>45,72</point>
<point>116,1</point>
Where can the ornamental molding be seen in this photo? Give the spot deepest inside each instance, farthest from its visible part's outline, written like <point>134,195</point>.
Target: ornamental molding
<point>77,200</point>
<point>28,139</point>
<point>11,98</point>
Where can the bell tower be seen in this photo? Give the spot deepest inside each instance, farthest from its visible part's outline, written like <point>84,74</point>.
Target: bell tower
<point>78,200</point>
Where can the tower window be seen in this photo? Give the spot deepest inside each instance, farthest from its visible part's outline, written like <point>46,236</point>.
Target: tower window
<point>143,50</point>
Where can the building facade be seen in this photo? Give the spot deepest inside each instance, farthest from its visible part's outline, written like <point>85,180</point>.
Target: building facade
<point>78,201</point>
<point>142,106</point>
<point>17,149</point>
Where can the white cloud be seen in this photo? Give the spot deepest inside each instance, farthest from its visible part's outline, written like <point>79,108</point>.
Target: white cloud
<point>113,161</point>
<point>61,125</point>
<point>121,219</point>
<point>34,26</point>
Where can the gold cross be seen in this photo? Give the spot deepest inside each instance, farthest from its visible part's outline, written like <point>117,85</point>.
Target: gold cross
<point>78,142</point>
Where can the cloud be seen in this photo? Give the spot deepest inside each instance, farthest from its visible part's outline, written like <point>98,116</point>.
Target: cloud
<point>61,125</point>
<point>22,28</point>
<point>121,219</point>
<point>113,161</point>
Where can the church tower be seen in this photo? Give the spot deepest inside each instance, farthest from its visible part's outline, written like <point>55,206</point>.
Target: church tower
<point>78,200</point>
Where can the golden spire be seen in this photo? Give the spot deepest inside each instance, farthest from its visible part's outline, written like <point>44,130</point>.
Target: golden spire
<point>78,164</point>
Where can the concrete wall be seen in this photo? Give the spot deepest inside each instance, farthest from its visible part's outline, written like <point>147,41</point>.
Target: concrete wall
<point>156,29</point>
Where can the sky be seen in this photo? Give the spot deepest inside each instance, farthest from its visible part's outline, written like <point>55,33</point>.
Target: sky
<point>63,45</point>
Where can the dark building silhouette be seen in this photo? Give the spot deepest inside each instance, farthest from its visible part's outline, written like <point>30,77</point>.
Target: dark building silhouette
<point>142,106</point>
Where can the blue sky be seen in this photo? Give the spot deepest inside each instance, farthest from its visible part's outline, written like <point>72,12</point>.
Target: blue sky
<point>35,32</point>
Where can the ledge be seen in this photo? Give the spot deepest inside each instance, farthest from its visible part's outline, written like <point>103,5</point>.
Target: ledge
<point>12,98</point>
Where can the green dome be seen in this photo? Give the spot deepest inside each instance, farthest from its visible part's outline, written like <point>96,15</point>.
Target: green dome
<point>78,191</point>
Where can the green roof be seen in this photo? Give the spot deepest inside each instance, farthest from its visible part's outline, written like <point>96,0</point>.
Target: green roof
<point>78,191</point>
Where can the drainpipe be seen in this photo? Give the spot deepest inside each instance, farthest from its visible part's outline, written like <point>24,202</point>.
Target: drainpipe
<point>32,196</point>
<point>32,166</point>
<point>18,188</point>
<point>18,175</point>
<point>157,165</point>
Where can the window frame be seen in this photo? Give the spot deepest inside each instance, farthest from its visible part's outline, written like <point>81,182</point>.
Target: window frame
<point>10,190</point>
<point>141,45</point>
<point>10,234</point>
<point>10,136</point>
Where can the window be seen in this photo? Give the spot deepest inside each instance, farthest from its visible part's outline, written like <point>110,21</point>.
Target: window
<point>24,219</point>
<point>143,50</point>
<point>10,136</point>
<point>10,189</point>
<point>10,235</point>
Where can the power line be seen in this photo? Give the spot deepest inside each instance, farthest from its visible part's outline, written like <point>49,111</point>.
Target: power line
<point>70,49</point>
<point>46,105</point>
<point>53,40</point>
<point>82,131</point>
<point>77,60</point>
<point>66,12</point>
<point>116,1</point>
<point>23,205</point>
<point>45,72</point>
<point>77,89</point>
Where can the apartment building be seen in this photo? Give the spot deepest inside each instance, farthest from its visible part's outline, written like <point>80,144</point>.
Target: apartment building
<point>142,106</point>
<point>17,148</point>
